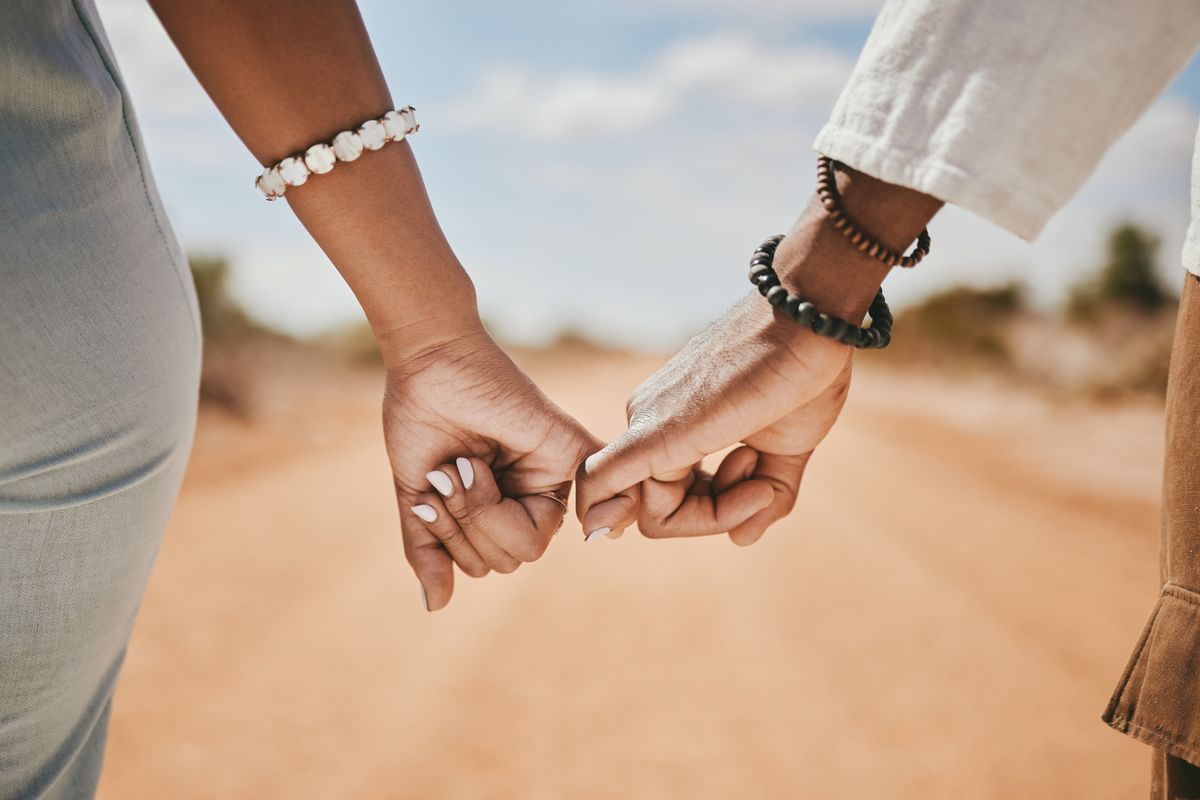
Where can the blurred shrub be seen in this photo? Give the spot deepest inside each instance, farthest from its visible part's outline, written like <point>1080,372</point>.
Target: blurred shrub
<point>227,375</point>
<point>1129,279</point>
<point>220,315</point>
<point>352,344</point>
<point>961,326</point>
<point>1118,341</point>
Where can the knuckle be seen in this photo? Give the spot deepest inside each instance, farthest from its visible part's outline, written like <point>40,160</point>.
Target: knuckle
<point>652,530</point>
<point>447,535</point>
<point>475,570</point>
<point>506,567</point>
<point>530,551</point>
<point>471,517</point>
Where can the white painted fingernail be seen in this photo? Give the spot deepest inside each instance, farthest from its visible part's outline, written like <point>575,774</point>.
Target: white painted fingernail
<point>441,482</point>
<point>426,512</point>
<point>595,533</point>
<point>465,471</point>
<point>424,599</point>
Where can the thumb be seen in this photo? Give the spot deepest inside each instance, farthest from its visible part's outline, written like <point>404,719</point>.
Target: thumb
<point>608,482</point>
<point>604,504</point>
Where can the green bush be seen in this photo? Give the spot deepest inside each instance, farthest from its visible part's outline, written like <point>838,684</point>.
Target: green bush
<point>1129,279</point>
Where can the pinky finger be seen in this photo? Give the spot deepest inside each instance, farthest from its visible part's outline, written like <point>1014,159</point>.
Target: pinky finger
<point>784,474</point>
<point>429,560</point>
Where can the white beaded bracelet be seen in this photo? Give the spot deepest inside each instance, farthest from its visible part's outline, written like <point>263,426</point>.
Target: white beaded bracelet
<point>346,146</point>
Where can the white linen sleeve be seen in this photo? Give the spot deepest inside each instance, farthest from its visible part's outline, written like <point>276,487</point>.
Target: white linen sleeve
<point>1005,107</point>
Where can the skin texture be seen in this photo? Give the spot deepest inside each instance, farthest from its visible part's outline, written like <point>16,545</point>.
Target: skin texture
<point>450,391</point>
<point>754,377</point>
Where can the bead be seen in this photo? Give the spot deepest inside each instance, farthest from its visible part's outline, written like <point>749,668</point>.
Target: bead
<point>293,171</point>
<point>822,323</point>
<point>347,146</point>
<point>409,115</point>
<point>319,159</point>
<point>373,134</point>
<point>806,312</point>
<point>758,271</point>
<point>767,284</point>
<point>270,184</point>
<point>849,334</point>
<point>777,296</point>
<point>394,125</point>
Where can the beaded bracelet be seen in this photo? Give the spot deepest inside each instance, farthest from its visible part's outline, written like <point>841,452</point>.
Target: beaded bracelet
<point>827,193</point>
<point>322,157</point>
<point>763,275</point>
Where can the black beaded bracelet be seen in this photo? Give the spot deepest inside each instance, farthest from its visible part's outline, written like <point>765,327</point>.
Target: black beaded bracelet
<point>763,275</point>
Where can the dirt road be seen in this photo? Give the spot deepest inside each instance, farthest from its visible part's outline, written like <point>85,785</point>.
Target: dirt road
<point>943,618</point>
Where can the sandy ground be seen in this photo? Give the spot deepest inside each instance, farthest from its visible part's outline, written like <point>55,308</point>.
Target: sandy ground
<point>944,617</point>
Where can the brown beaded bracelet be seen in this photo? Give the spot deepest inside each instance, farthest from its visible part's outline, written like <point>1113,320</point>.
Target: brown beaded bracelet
<point>827,193</point>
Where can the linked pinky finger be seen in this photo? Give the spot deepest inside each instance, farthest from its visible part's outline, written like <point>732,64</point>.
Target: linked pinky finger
<point>784,474</point>
<point>676,509</point>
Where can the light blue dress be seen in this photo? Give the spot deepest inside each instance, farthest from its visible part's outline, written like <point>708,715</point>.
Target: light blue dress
<point>99,368</point>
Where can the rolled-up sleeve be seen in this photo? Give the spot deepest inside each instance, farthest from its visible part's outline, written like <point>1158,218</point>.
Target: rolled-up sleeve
<point>1005,107</point>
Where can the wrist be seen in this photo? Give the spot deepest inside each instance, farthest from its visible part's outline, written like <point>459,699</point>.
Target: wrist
<point>819,263</point>
<point>417,325</point>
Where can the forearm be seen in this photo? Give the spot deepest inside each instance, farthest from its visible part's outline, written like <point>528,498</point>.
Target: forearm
<point>288,74</point>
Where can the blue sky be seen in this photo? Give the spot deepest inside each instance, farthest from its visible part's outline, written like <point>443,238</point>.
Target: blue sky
<point>606,166</point>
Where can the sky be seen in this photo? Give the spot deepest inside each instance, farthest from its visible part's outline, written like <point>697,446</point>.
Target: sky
<point>606,167</point>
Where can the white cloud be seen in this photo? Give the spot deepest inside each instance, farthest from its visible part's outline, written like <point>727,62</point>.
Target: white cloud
<point>740,70</point>
<point>725,73</point>
<point>512,100</point>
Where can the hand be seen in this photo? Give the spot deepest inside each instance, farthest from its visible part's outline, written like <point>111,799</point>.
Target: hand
<point>755,377</point>
<point>502,447</point>
<point>748,378</point>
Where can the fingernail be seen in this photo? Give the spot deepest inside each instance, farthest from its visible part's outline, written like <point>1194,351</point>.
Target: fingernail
<point>441,482</point>
<point>426,512</point>
<point>424,599</point>
<point>465,471</point>
<point>595,533</point>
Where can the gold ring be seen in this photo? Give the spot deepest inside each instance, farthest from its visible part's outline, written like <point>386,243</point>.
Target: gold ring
<point>556,498</point>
